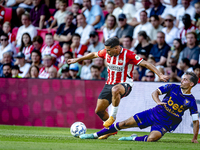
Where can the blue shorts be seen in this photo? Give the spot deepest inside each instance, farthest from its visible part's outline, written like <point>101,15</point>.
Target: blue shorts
<point>155,120</point>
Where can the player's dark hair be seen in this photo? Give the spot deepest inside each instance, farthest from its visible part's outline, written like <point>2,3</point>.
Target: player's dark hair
<point>193,77</point>
<point>155,17</point>
<point>186,61</point>
<point>197,66</point>
<point>112,42</point>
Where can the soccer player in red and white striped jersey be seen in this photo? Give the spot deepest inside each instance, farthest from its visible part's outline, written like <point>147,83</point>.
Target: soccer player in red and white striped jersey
<point>120,72</point>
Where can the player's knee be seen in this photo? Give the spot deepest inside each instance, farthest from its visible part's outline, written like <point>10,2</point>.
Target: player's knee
<point>152,139</point>
<point>115,90</point>
<point>99,113</point>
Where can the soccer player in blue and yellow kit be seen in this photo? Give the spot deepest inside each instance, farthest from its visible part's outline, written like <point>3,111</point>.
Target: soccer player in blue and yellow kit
<point>166,116</point>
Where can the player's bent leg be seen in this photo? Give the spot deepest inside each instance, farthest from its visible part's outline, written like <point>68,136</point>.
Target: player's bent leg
<point>100,110</point>
<point>117,91</point>
<point>154,136</point>
<point>130,122</point>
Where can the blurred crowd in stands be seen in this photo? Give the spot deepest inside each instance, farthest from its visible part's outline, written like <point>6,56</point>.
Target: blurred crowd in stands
<point>37,37</point>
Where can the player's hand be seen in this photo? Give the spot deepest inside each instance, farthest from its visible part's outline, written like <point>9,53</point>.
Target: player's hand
<point>194,141</point>
<point>72,61</point>
<point>164,78</point>
<point>161,103</point>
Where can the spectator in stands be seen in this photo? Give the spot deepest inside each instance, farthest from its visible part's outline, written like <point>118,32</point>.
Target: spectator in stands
<point>73,71</point>
<point>124,28</point>
<point>7,30</point>
<point>66,30</point>
<point>85,70</point>
<point>127,43</point>
<point>36,58</point>
<point>192,50</point>
<point>95,73</point>
<point>6,46</point>
<point>26,46</point>
<point>76,48</point>
<point>149,76</point>
<point>7,59</point>
<point>15,71</point>
<point>6,71</point>
<point>198,32</point>
<point>110,8</point>
<point>175,50</point>
<point>197,14</point>
<point>67,55</point>
<point>196,70</point>
<point>44,71</point>
<point>144,45</point>
<point>160,50</point>
<point>59,16</point>
<point>188,26</point>
<point>65,73</point>
<point>51,47</point>
<point>172,9</point>
<point>93,13</point>
<point>37,43</point>
<point>110,29</point>
<point>20,61</point>
<point>95,45</point>
<point>103,69</point>
<point>52,72</point>
<point>39,14</point>
<point>156,27</point>
<point>65,48</point>
<point>146,6</point>
<point>33,72</point>
<point>185,9</point>
<point>157,9</point>
<point>26,27</point>
<point>171,32</point>
<point>83,29</point>
<point>128,9</point>
<point>75,11</point>
<point>143,26</point>
<point>136,75</point>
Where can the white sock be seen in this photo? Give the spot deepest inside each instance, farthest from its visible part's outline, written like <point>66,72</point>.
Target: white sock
<point>95,135</point>
<point>114,111</point>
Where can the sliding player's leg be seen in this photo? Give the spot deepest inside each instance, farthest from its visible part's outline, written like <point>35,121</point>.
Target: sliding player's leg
<point>102,105</point>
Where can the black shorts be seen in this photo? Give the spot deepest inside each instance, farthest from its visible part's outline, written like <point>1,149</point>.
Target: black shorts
<point>106,93</point>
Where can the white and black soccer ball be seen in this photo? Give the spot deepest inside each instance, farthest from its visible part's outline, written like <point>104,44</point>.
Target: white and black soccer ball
<point>77,129</point>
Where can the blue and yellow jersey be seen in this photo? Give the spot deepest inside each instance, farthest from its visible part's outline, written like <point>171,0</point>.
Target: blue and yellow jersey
<point>177,102</point>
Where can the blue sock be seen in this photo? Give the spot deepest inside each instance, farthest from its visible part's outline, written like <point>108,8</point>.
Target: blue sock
<point>142,138</point>
<point>113,128</point>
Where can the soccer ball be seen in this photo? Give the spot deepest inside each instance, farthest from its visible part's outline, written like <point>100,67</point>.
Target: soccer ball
<point>77,129</point>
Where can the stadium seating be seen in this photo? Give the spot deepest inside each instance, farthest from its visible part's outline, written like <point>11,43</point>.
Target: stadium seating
<point>8,14</point>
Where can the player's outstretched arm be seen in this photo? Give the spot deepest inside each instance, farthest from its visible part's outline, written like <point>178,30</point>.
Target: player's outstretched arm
<point>155,96</point>
<point>195,131</point>
<point>156,71</point>
<point>85,57</point>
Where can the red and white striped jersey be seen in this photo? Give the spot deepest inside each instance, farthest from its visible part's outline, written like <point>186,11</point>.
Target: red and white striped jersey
<point>120,68</point>
<point>27,51</point>
<point>43,74</point>
<point>11,37</point>
<point>183,32</point>
<point>55,50</point>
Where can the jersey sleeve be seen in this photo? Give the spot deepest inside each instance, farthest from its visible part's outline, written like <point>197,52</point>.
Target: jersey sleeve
<point>193,107</point>
<point>102,53</point>
<point>133,58</point>
<point>165,88</point>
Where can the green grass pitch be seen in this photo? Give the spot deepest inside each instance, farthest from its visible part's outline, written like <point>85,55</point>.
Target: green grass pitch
<point>43,138</point>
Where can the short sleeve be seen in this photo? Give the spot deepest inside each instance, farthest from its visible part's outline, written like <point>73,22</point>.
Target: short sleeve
<point>165,88</point>
<point>102,53</point>
<point>133,58</point>
<point>193,108</point>
<point>97,11</point>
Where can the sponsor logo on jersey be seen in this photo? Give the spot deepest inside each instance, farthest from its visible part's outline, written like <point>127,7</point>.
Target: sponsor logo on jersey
<point>115,68</point>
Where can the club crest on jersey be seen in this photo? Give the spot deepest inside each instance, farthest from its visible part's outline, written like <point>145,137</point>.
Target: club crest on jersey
<point>137,57</point>
<point>120,61</point>
<point>186,102</point>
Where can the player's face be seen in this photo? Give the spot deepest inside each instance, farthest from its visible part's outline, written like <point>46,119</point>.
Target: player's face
<point>111,51</point>
<point>185,82</point>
